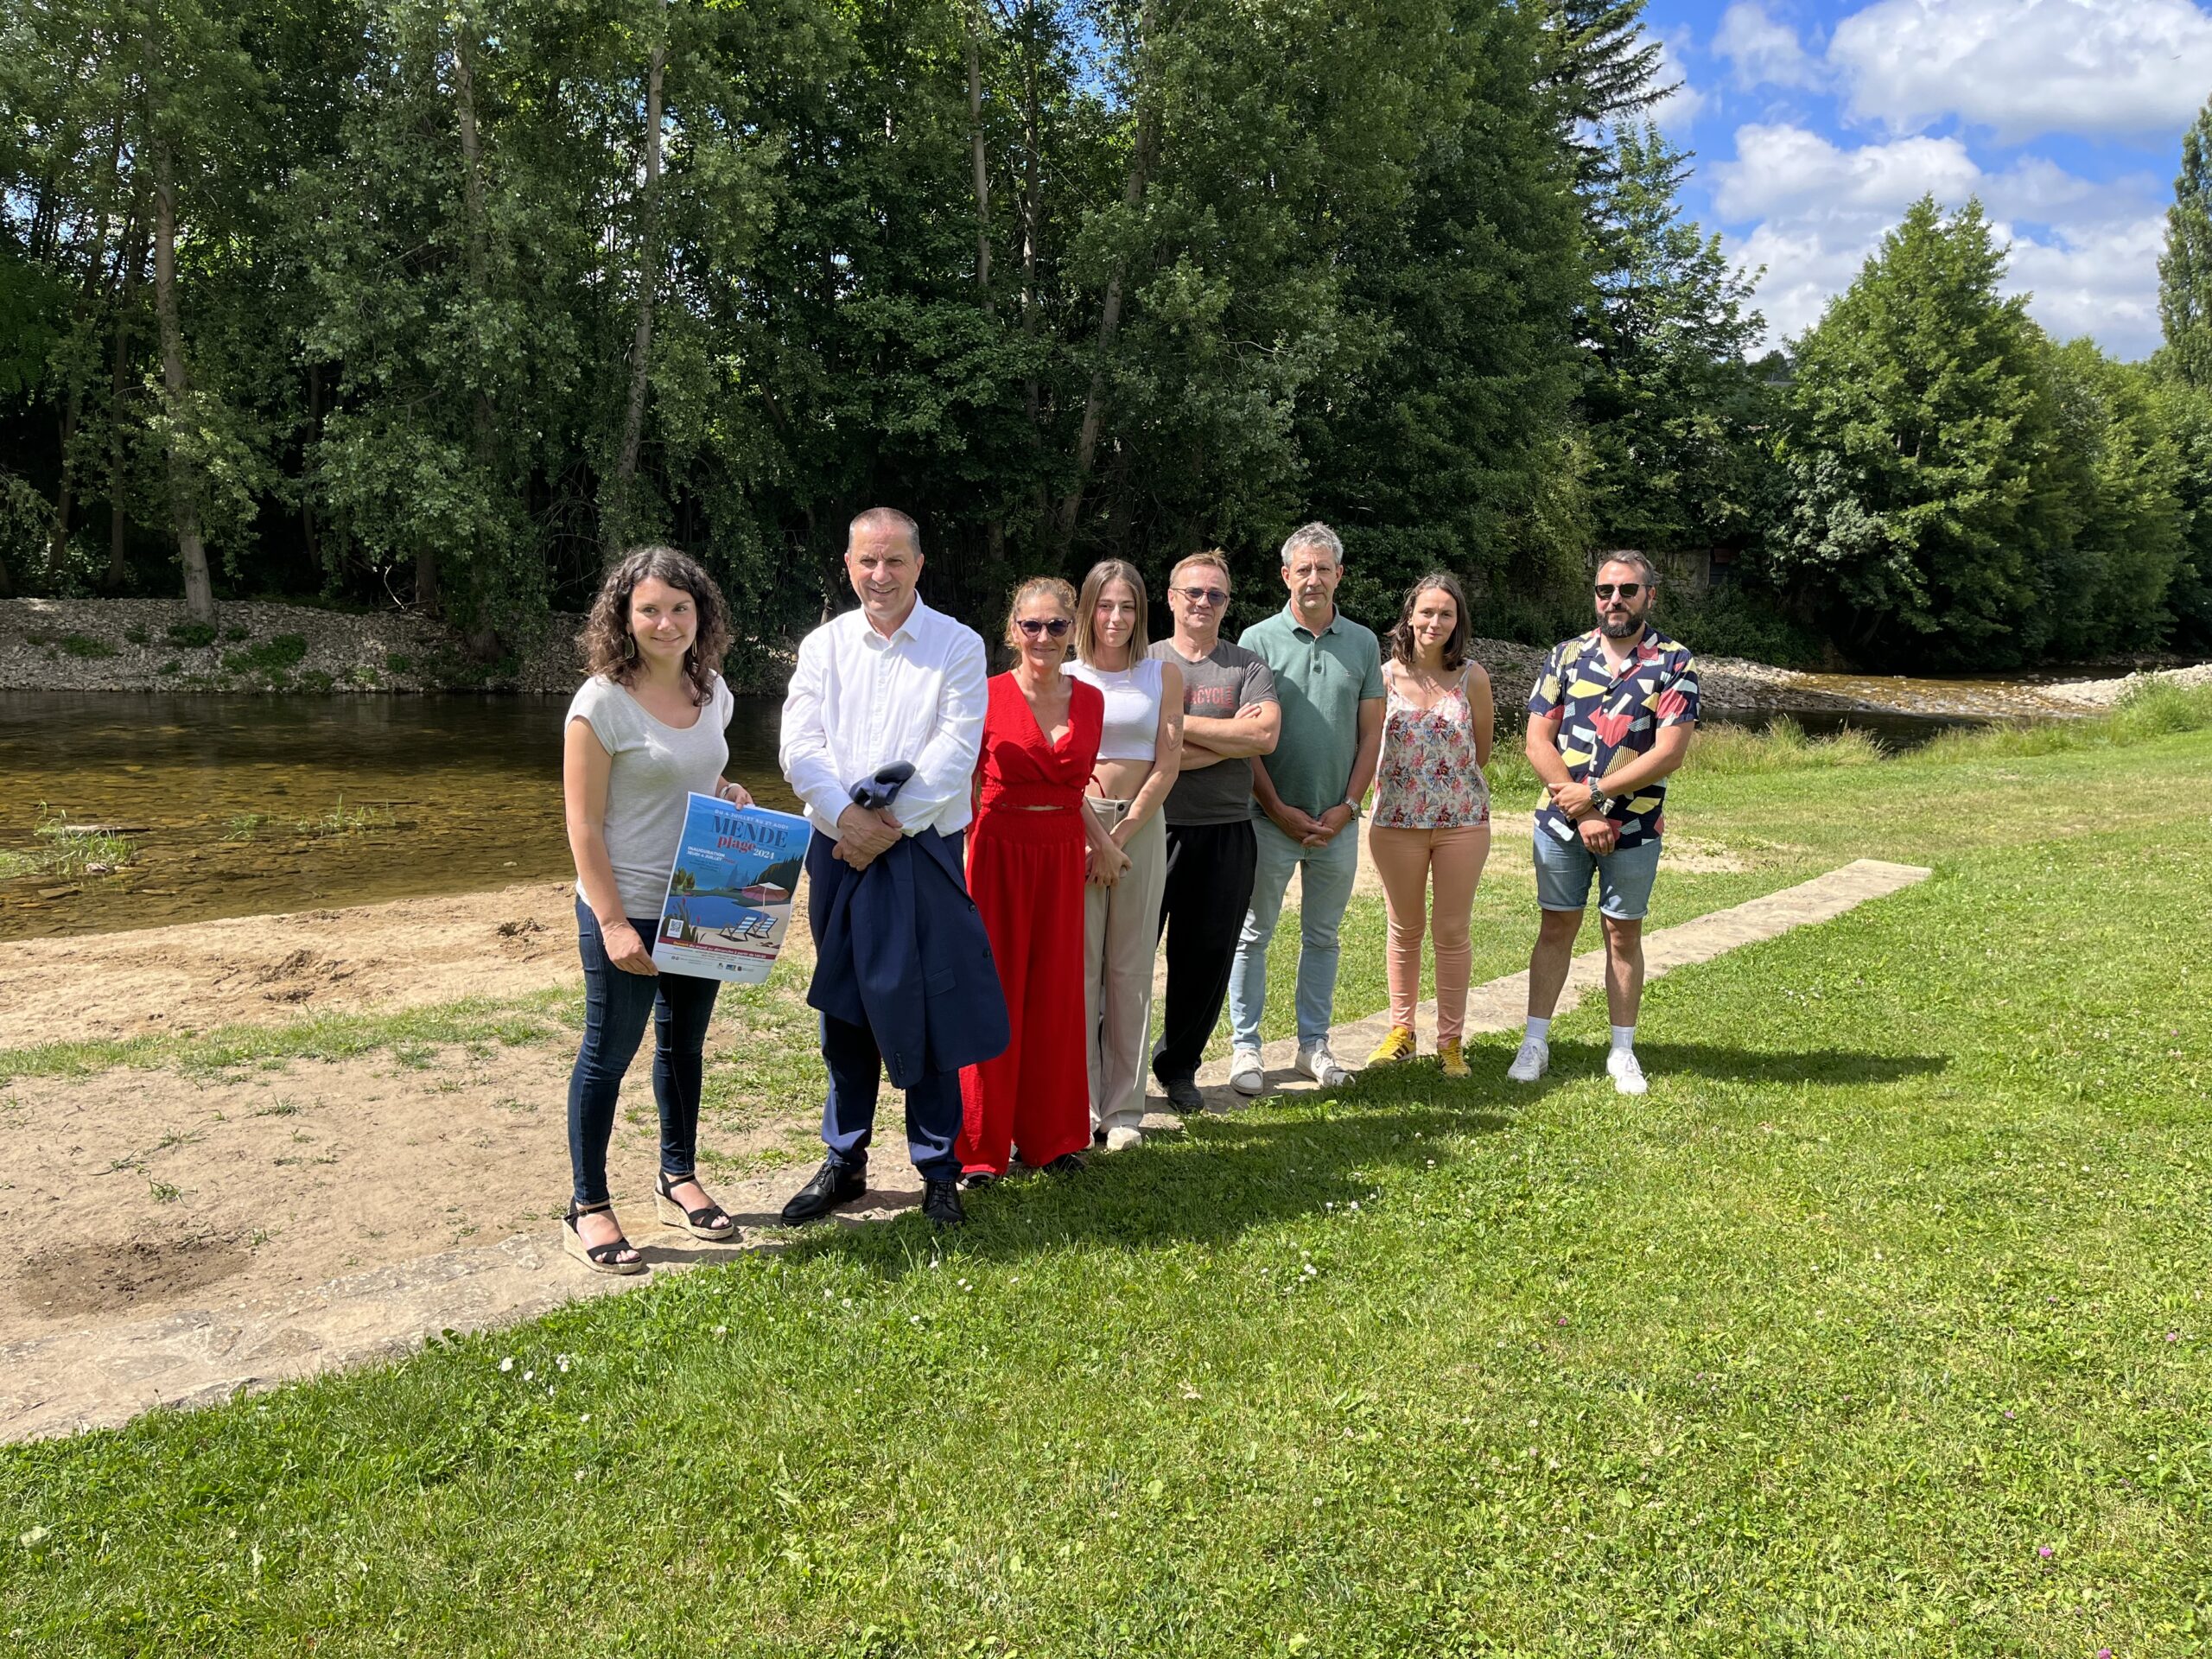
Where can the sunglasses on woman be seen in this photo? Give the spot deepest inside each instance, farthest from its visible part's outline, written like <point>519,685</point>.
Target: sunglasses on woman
<point>1056,627</point>
<point>1626,590</point>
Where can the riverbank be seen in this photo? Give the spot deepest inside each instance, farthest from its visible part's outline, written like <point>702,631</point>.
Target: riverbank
<point>153,645</point>
<point>148,644</point>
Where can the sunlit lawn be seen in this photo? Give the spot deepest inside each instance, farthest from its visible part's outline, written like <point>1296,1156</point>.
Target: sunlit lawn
<point>1879,1327</point>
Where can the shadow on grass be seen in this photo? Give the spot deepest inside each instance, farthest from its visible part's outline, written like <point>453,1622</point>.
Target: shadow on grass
<point>1842,1066</point>
<point>1291,1157</point>
<point>1224,1175</point>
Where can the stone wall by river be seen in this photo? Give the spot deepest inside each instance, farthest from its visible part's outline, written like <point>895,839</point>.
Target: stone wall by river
<point>151,645</point>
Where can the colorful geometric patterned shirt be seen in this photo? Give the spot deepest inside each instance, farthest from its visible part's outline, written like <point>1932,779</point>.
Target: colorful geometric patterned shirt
<point>1602,715</point>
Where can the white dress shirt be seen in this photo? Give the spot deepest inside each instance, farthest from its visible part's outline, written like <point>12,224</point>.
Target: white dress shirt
<point>858,701</point>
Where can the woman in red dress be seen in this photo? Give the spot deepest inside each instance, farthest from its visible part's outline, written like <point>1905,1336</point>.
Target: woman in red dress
<point>1029,855</point>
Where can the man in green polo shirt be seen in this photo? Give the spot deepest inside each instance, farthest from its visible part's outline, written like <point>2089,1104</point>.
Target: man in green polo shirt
<point>1328,674</point>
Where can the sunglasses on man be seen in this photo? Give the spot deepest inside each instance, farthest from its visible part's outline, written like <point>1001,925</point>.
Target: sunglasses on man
<point>1204,595</point>
<point>1626,590</point>
<point>1034,626</point>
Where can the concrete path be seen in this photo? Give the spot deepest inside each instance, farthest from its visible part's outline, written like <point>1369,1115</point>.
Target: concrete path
<point>104,1374</point>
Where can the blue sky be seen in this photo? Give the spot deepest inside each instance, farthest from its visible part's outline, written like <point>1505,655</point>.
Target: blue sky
<point>1817,122</point>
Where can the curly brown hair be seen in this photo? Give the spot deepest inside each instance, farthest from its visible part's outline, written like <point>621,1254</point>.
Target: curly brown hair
<point>1401,644</point>
<point>609,650</point>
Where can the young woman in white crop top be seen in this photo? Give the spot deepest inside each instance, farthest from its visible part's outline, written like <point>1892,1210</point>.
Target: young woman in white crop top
<point>1139,755</point>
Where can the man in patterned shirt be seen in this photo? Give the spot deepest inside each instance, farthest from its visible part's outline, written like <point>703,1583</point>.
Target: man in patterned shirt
<point>1611,717</point>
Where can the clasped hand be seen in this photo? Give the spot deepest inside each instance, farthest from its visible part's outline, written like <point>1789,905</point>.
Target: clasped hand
<point>1307,829</point>
<point>864,835</point>
<point>1104,867</point>
<point>1599,834</point>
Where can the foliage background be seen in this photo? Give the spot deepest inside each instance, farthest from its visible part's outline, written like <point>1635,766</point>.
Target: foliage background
<point>436,306</point>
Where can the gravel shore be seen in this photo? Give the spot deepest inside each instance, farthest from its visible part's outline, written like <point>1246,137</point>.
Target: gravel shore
<point>151,645</point>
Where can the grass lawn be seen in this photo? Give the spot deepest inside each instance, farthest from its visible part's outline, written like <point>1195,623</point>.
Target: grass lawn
<point>1879,1327</point>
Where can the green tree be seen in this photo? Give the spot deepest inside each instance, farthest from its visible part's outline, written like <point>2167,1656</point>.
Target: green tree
<point>1676,414</point>
<point>1918,430</point>
<point>2120,471</point>
<point>2186,267</point>
<point>1454,448</point>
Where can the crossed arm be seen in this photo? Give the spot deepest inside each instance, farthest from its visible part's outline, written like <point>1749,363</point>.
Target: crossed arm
<point>1209,739</point>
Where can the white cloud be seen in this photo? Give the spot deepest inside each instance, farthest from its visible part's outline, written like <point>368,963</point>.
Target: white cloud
<point>1763,51</point>
<point>2102,281</point>
<point>2022,67</point>
<point>2088,251</point>
<point>1787,169</point>
<point>1675,112</point>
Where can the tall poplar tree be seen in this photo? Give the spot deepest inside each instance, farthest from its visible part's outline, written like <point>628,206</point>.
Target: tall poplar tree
<point>2186,267</point>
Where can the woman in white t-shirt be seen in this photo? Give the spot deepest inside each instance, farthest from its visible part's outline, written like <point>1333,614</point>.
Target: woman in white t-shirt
<point>644,733</point>
<point>1138,753</point>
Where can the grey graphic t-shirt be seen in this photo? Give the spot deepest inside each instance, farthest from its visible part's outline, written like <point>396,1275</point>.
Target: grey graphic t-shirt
<point>1225,679</point>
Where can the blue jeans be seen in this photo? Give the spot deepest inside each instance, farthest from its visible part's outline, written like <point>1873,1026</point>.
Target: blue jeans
<point>1324,890</point>
<point>615,1006</point>
<point>1624,876</point>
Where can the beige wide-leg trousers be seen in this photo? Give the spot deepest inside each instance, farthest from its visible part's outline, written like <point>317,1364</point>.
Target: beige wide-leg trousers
<point>1121,934</point>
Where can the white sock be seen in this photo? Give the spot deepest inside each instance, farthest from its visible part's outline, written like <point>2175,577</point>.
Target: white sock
<point>1624,1038</point>
<point>1539,1031</point>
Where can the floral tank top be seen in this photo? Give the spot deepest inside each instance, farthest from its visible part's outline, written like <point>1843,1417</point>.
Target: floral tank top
<point>1427,779</point>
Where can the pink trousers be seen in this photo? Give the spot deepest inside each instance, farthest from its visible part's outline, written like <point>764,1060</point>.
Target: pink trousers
<point>1410,862</point>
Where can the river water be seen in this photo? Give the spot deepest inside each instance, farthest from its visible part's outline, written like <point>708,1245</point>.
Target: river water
<point>246,805</point>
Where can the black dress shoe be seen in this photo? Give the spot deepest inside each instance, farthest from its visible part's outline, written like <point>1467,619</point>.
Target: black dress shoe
<point>941,1203</point>
<point>833,1184</point>
<point>1068,1163</point>
<point>1183,1095</point>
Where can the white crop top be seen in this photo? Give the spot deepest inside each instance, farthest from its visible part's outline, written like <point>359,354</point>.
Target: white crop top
<point>1132,728</point>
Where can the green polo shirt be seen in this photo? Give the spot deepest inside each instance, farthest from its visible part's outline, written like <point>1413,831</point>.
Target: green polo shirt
<point>1320,681</point>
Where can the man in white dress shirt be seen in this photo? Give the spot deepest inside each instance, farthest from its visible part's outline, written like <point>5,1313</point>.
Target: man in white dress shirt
<point>893,681</point>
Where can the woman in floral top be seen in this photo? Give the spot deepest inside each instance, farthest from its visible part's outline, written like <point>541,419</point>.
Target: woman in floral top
<point>1431,827</point>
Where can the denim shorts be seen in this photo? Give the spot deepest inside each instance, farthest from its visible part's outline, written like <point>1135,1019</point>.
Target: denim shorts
<point>1624,876</point>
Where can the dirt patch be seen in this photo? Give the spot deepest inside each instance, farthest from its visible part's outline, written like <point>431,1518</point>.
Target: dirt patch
<point>269,970</point>
<point>101,1278</point>
<point>141,1190</point>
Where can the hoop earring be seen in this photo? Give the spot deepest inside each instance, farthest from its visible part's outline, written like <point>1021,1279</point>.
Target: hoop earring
<point>629,647</point>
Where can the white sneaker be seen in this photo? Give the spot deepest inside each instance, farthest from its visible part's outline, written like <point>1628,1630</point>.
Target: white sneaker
<point>1319,1064</point>
<point>1532,1062</point>
<point>1122,1138</point>
<point>1246,1075</point>
<point>1627,1071</point>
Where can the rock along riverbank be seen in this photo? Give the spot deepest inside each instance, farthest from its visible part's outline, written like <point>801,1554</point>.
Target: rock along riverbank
<point>152,644</point>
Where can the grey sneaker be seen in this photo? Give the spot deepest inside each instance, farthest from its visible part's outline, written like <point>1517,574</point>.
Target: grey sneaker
<point>1532,1062</point>
<point>1319,1064</point>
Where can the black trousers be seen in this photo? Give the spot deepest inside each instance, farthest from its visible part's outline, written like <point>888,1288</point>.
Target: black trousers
<point>1210,869</point>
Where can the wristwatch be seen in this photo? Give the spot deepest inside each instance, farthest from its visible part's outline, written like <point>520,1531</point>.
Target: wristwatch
<point>1350,804</point>
<point>1597,797</point>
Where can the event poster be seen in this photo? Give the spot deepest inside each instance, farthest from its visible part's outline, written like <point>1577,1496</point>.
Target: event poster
<point>730,894</point>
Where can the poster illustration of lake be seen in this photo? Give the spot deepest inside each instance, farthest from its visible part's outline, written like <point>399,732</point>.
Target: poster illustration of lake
<point>730,894</point>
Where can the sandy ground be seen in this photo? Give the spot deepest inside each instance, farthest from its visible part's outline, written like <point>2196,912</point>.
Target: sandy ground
<point>271,970</point>
<point>130,1189</point>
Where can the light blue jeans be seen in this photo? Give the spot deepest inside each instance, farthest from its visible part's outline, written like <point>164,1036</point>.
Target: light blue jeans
<point>1324,890</point>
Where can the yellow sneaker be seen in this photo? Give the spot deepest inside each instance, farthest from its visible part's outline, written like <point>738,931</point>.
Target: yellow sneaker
<point>1454,1062</point>
<point>1398,1045</point>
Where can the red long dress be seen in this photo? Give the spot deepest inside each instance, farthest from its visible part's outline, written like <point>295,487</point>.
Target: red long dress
<point>1026,874</point>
